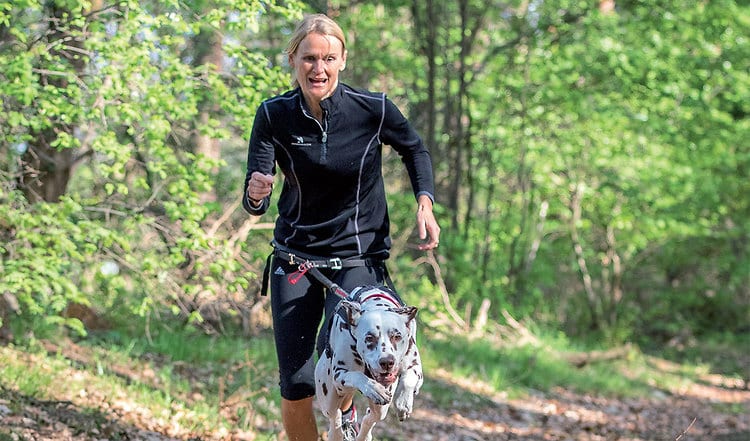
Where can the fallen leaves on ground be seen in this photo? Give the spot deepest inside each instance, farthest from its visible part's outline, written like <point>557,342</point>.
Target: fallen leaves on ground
<point>716,409</point>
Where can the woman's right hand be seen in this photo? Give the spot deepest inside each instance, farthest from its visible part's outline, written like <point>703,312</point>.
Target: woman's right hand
<point>259,187</point>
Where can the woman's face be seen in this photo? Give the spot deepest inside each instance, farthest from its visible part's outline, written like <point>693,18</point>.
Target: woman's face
<point>316,64</point>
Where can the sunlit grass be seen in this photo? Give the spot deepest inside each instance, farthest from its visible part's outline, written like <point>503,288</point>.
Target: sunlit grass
<point>194,383</point>
<point>486,367</point>
<point>189,381</point>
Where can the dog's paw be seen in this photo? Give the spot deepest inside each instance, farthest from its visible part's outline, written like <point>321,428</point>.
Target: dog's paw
<point>403,415</point>
<point>378,393</point>
<point>403,407</point>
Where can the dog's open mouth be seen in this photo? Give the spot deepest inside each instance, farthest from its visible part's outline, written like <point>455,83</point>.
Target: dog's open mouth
<point>386,378</point>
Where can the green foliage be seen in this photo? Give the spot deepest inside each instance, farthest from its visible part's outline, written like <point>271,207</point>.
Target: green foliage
<point>594,144</point>
<point>592,168</point>
<point>115,96</point>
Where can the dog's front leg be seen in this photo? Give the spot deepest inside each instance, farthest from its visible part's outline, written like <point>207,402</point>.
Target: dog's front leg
<point>378,395</point>
<point>374,391</point>
<point>375,413</point>
<point>334,426</point>
<point>409,384</point>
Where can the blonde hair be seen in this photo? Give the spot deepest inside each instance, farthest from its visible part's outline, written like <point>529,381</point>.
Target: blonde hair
<point>314,23</point>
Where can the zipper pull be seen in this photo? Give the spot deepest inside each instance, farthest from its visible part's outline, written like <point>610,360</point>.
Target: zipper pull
<point>324,149</point>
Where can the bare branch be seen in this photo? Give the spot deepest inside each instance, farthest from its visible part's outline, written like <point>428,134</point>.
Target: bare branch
<point>430,260</point>
<point>686,429</point>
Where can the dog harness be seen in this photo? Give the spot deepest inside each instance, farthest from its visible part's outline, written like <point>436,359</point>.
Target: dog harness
<point>365,293</point>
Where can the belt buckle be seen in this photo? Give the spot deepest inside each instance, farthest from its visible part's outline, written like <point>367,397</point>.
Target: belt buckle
<point>335,263</point>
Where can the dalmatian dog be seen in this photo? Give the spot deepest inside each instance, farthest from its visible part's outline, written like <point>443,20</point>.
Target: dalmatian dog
<point>371,348</point>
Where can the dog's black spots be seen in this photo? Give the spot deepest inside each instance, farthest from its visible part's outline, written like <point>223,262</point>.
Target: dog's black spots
<point>412,345</point>
<point>379,341</point>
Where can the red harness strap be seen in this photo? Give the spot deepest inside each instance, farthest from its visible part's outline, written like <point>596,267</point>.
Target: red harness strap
<point>381,295</point>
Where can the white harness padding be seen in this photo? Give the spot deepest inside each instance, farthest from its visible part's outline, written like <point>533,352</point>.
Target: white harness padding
<point>364,294</point>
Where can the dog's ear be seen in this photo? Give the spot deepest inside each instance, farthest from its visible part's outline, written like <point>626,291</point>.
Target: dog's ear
<point>408,311</point>
<point>353,310</point>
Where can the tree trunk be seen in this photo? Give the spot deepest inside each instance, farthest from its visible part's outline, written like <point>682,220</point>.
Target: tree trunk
<point>575,209</point>
<point>210,53</point>
<point>46,169</point>
<point>425,31</point>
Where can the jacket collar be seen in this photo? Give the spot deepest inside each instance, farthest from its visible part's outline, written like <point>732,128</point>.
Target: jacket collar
<point>336,97</point>
<point>330,104</point>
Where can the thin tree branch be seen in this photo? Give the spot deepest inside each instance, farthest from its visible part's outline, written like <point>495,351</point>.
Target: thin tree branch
<point>430,260</point>
<point>686,429</point>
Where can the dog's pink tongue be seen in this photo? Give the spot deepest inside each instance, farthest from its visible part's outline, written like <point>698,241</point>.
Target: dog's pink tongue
<point>387,379</point>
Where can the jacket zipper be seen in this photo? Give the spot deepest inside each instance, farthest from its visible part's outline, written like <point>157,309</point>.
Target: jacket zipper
<point>324,138</point>
<point>324,131</point>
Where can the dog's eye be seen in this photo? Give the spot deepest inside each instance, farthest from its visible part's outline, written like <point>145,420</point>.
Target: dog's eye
<point>369,338</point>
<point>396,338</point>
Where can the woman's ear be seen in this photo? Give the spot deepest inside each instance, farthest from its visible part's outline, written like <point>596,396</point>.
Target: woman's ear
<point>343,63</point>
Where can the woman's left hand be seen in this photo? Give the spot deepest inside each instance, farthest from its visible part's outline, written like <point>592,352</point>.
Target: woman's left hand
<point>427,224</point>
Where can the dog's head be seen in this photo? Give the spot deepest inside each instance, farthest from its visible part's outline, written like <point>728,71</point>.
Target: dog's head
<point>383,337</point>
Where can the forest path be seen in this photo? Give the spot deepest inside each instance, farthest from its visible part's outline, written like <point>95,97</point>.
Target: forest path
<point>715,408</point>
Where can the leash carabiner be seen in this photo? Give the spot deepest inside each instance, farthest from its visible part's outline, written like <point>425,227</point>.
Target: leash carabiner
<point>303,268</point>
<point>310,266</point>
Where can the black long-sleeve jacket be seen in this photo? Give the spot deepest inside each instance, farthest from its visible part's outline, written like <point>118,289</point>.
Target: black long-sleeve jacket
<point>333,200</point>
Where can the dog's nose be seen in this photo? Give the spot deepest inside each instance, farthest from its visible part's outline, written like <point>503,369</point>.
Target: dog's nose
<point>387,362</point>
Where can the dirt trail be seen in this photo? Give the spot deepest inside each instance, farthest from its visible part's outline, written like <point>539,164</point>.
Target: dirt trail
<point>716,409</point>
<point>561,415</point>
